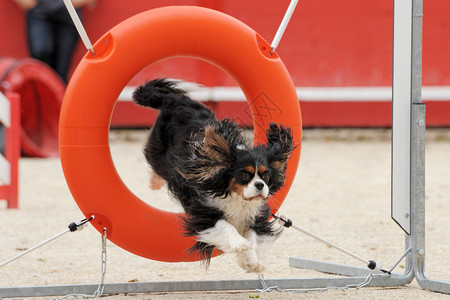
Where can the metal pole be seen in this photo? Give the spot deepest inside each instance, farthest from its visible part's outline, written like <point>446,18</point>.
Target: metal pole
<point>418,158</point>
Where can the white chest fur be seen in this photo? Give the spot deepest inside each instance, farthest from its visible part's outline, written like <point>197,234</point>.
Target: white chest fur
<point>238,212</point>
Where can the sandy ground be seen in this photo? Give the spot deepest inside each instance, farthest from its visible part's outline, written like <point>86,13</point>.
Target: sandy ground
<point>341,193</point>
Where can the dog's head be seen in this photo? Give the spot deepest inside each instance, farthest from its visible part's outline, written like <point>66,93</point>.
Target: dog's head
<point>223,164</point>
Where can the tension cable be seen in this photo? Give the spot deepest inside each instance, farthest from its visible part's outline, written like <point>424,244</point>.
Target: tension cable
<point>371,264</point>
<point>74,226</point>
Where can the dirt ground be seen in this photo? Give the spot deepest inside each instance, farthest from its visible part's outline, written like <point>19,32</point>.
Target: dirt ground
<point>341,192</point>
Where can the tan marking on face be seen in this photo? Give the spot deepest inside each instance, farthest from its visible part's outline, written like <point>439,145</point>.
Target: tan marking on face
<point>262,169</point>
<point>250,169</point>
<point>236,187</point>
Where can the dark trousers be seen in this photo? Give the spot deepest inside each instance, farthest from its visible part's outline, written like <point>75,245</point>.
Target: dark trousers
<point>52,42</point>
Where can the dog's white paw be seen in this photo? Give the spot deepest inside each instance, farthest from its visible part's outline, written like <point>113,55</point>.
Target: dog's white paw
<point>240,246</point>
<point>252,266</point>
<point>248,260</point>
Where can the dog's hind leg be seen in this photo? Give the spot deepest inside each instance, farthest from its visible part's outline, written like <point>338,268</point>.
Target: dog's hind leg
<point>156,182</point>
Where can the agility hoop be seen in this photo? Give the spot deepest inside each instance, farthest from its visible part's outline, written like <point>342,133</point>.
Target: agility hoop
<point>149,37</point>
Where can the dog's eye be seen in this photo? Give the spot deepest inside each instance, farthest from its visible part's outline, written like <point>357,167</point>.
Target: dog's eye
<point>245,176</point>
<point>265,176</point>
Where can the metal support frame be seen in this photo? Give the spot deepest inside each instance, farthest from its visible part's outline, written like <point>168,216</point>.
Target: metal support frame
<point>411,203</point>
<point>187,286</point>
<point>418,163</point>
<point>408,142</point>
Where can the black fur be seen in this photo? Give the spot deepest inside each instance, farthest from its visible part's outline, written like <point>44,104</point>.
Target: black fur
<point>199,156</point>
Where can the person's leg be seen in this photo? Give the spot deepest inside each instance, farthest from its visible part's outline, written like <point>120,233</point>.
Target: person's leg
<point>40,39</point>
<point>67,38</point>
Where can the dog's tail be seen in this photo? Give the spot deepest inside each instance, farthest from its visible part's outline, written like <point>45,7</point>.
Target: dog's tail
<point>158,93</point>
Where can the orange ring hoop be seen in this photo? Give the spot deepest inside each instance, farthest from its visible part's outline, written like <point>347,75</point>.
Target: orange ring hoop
<point>120,54</point>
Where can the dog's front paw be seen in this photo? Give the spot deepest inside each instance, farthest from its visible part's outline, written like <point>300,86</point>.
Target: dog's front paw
<point>240,245</point>
<point>248,260</point>
<point>252,266</point>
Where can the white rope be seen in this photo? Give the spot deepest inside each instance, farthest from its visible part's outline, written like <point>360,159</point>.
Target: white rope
<point>76,20</point>
<point>283,25</point>
<point>331,244</point>
<point>34,248</point>
<point>72,227</point>
<point>373,265</point>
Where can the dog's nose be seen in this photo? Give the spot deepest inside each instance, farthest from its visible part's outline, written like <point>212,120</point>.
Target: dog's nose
<point>259,185</point>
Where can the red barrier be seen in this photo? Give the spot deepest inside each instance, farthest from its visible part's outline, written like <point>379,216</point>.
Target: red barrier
<point>41,92</point>
<point>10,190</point>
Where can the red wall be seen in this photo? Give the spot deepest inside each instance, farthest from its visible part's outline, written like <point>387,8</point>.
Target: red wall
<point>327,43</point>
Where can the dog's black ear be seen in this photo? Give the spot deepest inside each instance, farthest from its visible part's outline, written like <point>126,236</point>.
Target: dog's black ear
<point>278,149</point>
<point>279,146</point>
<point>210,156</point>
